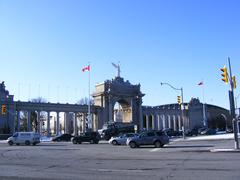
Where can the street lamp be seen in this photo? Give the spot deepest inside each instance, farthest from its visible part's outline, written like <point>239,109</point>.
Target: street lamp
<point>182,105</point>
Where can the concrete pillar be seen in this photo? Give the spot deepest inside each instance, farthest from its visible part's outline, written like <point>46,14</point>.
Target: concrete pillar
<point>29,126</point>
<point>110,111</point>
<point>58,125</point>
<point>147,123</point>
<point>163,121</point>
<point>159,122</point>
<point>140,116</point>
<point>38,122</point>
<point>180,124</point>
<point>18,121</point>
<point>84,121</point>
<point>175,123</point>
<point>48,124</point>
<point>66,114</point>
<point>75,124</point>
<point>169,122</point>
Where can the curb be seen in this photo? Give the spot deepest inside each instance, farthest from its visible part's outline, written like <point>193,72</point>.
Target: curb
<point>225,150</point>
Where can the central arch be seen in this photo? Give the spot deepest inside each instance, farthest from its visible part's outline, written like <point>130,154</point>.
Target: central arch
<point>121,94</point>
<point>122,111</point>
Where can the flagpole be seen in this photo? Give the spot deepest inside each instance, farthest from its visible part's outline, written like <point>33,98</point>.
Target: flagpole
<point>89,112</point>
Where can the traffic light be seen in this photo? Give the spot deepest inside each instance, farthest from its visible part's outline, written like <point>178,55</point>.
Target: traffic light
<point>3,109</point>
<point>234,82</point>
<point>179,99</point>
<point>224,74</point>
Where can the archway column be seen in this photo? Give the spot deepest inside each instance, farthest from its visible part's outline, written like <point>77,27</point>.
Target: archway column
<point>66,115</point>
<point>180,123</point>
<point>38,122</point>
<point>147,123</point>
<point>75,124</point>
<point>29,128</point>
<point>174,123</point>
<point>18,121</point>
<point>163,121</point>
<point>58,124</point>
<point>48,124</point>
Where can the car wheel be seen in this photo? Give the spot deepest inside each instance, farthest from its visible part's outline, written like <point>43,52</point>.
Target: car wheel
<point>158,144</point>
<point>74,141</point>
<point>114,142</point>
<point>27,143</point>
<point>58,140</point>
<point>132,144</point>
<point>34,144</point>
<point>96,142</point>
<point>10,143</point>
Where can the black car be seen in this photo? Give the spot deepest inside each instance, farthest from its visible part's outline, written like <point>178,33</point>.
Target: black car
<point>92,137</point>
<point>191,132</point>
<point>209,131</point>
<point>170,132</point>
<point>62,137</point>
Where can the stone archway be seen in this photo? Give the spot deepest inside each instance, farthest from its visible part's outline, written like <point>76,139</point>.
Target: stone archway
<point>129,96</point>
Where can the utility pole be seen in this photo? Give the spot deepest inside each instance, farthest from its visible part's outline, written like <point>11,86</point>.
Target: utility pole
<point>232,81</point>
<point>182,107</point>
<point>232,107</point>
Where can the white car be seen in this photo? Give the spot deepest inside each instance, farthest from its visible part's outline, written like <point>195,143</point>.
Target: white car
<point>26,138</point>
<point>121,140</point>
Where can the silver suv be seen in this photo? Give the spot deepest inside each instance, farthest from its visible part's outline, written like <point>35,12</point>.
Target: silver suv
<point>156,138</point>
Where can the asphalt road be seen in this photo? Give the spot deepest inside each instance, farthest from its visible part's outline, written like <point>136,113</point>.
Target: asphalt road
<point>180,160</point>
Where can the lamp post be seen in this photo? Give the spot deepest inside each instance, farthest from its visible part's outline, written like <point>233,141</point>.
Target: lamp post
<point>182,105</point>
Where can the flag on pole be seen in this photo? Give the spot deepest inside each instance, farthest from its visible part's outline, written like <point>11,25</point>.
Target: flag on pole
<point>200,83</point>
<point>87,68</point>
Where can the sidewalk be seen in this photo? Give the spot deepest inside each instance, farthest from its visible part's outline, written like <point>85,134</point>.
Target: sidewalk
<point>216,137</point>
<point>229,136</point>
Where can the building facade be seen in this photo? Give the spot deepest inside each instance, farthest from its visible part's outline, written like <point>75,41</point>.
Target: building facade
<point>114,100</point>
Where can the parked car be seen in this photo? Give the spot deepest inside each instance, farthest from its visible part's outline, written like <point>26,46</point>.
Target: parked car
<point>92,137</point>
<point>26,138</point>
<point>62,137</point>
<point>121,140</point>
<point>170,132</point>
<point>200,130</point>
<point>209,131</point>
<point>191,132</point>
<point>156,138</point>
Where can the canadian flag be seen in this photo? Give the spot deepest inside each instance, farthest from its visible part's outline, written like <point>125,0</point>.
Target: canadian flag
<point>201,83</point>
<point>87,68</point>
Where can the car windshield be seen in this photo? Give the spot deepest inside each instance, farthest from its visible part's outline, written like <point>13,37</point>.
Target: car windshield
<point>15,135</point>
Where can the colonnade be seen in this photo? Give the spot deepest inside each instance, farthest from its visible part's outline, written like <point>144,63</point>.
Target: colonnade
<point>73,123</point>
<point>160,121</point>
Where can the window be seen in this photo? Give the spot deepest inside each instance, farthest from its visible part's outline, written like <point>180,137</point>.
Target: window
<point>159,133</point>
<point>15,135</point>
<point>150,134</point>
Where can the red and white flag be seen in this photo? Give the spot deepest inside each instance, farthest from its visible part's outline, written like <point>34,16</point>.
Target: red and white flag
<point>200,83</point>
<point>87,68</point>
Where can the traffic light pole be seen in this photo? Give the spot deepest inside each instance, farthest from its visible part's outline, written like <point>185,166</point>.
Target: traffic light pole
<point>182,105</point>
<point>232,108</point>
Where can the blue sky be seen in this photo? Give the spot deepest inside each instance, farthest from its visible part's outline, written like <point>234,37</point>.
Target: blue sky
<point>45,44</point>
